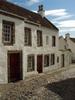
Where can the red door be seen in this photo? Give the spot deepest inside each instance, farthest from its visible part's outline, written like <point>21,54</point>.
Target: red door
<point>14,67</point>
<point>62,57</point>
<point>39,63</point>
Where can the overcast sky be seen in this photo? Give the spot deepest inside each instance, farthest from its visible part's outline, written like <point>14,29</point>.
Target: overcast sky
<point>59,12</point>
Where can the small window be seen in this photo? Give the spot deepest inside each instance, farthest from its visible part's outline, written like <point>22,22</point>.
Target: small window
<point>28,41</point>
<point>46,60</point>
<point>30,63</point>
<point>57,59</point>
<point>39,38</point>
<point>53,41</point>
<point>8,32</point>
<point>52,59</point>
<point>47,40</point>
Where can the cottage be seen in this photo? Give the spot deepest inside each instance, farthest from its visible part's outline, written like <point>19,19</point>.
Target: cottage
<point>64,52</point>
<point>28,42</point>
<point>71,45</point>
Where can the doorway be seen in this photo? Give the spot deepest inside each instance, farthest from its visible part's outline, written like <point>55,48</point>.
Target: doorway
<point>39,63</point>
<point>14,66</point>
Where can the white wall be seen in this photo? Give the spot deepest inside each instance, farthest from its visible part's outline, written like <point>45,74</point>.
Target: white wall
<point>67,54</point>
<point>71,45</point>
<point>45,49</point>
<point>19,45</point>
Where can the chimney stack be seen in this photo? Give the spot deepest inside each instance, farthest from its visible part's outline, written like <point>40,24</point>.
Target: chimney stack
<point>41,11</point>
<point>67,36</point>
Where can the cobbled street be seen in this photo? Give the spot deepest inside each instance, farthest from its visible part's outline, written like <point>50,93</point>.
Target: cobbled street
<point>54,85</point>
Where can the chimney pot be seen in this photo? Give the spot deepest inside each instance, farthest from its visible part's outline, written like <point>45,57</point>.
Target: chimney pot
<point>41,11</point>
<point>67,36</point>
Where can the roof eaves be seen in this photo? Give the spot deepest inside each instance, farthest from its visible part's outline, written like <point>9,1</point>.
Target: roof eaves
<point>52,24</point>
<point>24,13</point>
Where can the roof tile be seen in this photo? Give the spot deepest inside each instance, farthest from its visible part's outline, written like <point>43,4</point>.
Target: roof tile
<point>15,9</point>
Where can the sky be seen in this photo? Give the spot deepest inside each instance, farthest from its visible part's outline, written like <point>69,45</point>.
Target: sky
<point>60,12</point>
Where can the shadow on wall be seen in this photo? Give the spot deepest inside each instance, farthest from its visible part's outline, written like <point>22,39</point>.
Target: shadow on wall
<point>65,89</point>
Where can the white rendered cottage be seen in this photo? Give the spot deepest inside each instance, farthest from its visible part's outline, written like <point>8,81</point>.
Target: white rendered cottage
<point>64,53</point>
<point>28,42</point>
<point>71,45</point>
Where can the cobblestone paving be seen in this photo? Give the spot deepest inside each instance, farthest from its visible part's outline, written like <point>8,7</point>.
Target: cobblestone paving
<point>46,86</point>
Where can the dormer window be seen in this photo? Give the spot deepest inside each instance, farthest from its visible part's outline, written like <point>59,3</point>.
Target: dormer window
<point>8,32</point>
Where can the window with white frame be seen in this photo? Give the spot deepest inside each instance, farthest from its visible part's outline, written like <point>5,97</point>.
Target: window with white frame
<point>47,40</point>
<point>58,59</point>
<point>28,41</point>
<point>7,32</point>
<point>52,59</point>
<point>30,63</point>
<point>39,38</point>
<point>53,41</point>
<point>46,60</point>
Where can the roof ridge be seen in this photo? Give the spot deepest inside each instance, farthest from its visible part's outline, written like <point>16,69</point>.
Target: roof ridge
<point>23,8</point>
<point>30,15</point>
<point>51,23</point>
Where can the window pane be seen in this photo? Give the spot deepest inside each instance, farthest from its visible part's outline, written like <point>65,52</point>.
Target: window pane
<point>47,40</point>
<point>30,63</point>
<point>52,59</point>
<point>46,60</point>
<point>57,59</point>
<point>53,40</point>
<point>39,38</point>
<point>7,32</point>
<point>28,41</point>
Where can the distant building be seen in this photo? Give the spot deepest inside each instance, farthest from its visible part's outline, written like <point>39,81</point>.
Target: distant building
<point>71,45</point>
<point>64,52</point>
<point>28,42</point>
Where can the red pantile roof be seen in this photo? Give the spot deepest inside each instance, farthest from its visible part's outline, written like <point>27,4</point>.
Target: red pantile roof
<point>29,15</point>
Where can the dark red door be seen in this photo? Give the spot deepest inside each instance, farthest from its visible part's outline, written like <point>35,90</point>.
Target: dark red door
<point>62,56</point>
<point>39,63</point>
<point>14,67</point>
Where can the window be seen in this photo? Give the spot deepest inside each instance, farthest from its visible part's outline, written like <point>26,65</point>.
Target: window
<point>8,32</point>
<point>28,41</point>
<point>52,59</point>
<point>53,41</point>
<point>39,38</point>
<point>47,40</point>
<point>46,60</point>
<point>57,59</point>
<point>30,63</point>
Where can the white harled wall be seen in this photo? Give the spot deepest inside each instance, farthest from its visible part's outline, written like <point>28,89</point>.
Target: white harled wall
<point>19,45</point>
<point>19,41</point>
<point>71,45</point>
<point>63,49</point>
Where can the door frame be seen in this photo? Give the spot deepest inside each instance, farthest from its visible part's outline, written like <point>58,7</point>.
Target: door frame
<point>42,63</point>
<point>8,63</point>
